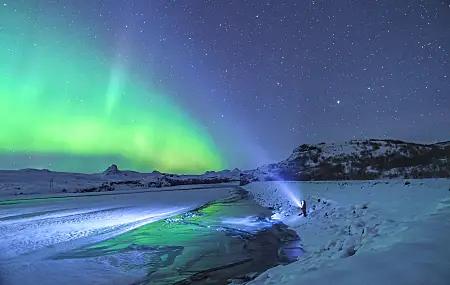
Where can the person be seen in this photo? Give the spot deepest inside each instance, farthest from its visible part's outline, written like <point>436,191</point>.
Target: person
<point>303,207</point>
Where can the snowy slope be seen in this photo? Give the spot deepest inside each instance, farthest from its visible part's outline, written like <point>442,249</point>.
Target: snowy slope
<point>364,232</point>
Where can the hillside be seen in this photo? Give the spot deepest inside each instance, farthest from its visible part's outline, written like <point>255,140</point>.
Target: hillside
<point>359,160</point>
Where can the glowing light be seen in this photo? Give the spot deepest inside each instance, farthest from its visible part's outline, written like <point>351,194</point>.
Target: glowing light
<point>294,195</point>
<point>59,96</point>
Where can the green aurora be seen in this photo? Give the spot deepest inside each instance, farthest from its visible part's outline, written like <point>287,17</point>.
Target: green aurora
<point>60,96</point>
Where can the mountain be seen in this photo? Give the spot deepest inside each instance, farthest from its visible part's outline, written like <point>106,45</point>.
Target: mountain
<point>114,173</point>
<point>359,160</point>
<point>112,170</point>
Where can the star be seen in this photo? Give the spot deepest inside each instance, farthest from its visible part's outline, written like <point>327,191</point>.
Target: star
<point>278,72</point>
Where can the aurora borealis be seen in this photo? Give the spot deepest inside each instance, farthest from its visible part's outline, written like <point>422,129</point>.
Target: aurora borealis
<point>62,97</point>
<point>221,84</point>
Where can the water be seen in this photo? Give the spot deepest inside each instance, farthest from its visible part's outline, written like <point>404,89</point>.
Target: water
<point>209,245</point>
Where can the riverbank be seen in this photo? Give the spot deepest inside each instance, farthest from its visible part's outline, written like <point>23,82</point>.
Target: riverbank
<point>375,232</point>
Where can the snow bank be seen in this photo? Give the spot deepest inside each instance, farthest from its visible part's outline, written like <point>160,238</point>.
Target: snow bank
<point>364,232</point>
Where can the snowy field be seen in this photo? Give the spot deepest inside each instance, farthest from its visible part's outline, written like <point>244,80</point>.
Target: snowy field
<point>32,231</point>
<point>363,232</point>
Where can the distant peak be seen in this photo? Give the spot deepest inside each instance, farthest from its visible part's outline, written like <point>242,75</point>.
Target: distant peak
<point>112,170</point>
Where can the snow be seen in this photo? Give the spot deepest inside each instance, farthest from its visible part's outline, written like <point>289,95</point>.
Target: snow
<point>363,232</point>
<point>356,232</point>
<point>32,232</point>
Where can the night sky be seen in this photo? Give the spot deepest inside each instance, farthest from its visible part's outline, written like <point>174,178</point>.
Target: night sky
<point>240,83</point>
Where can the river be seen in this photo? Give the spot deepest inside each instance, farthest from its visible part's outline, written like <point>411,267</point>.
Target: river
<point>230,237</point>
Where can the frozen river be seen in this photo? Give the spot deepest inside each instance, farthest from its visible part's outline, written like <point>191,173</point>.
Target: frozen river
<point>128,238</point>
<point>32,231</point>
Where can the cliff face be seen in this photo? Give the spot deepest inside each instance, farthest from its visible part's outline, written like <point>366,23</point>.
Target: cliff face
<point>358,160</point>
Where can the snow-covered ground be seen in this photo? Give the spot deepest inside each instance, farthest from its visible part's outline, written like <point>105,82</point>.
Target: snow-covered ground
<point>363,232</point>
<point>33,231</point>
<point>356,232</point>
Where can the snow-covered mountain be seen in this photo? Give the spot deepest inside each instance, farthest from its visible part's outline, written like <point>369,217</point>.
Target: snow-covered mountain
<point>357,160</point>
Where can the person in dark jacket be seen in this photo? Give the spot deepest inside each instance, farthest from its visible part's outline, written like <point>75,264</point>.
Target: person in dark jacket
<point>303,207</point>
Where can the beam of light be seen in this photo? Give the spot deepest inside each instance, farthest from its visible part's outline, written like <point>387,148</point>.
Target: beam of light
<point>60,96</point>
<point>293,194</point>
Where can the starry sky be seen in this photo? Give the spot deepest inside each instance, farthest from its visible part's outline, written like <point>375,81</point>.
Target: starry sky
<point>244,81</point>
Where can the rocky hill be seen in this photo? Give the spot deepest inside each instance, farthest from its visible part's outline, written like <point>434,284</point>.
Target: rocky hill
<point>359,160</point>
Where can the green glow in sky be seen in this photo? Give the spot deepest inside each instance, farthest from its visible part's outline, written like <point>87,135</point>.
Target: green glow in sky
<point>61,96</point>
